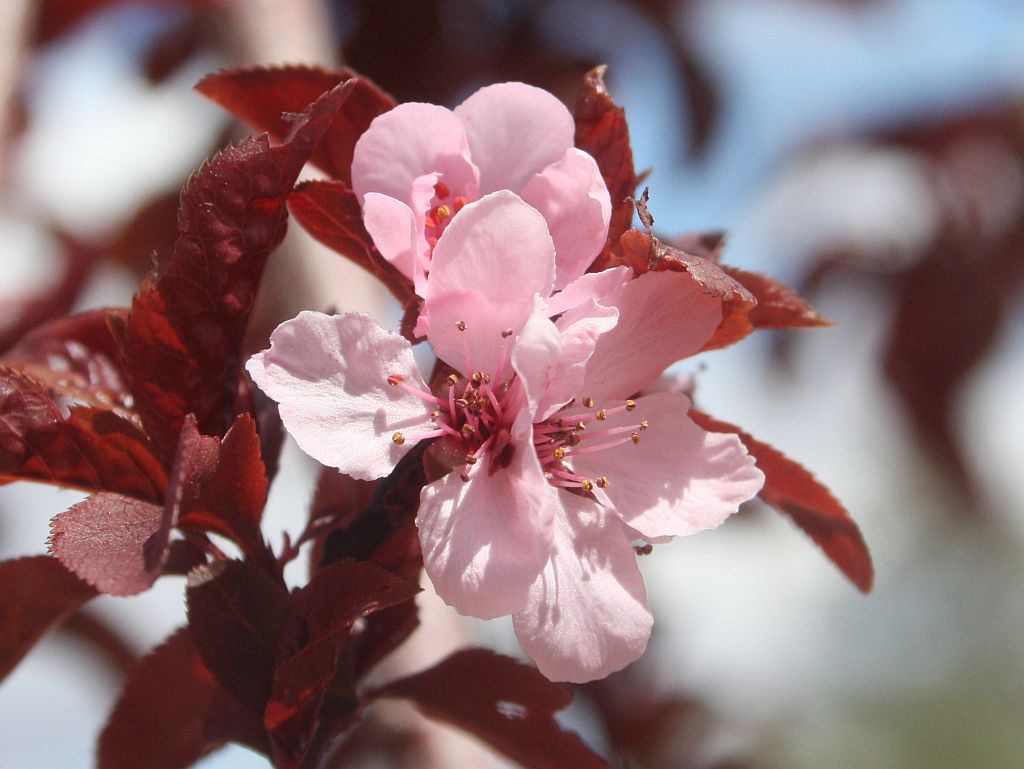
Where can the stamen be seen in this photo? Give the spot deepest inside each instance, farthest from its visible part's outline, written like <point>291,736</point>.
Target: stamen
<point>602,481</point>
<point>441,190</point>
<point>453,379</point>
<point>587,485</point>
<point>507,333</point>
<point>470,459</point>
<point>588,402</point>
<point>461,325</point>
<point>635,437</point>
<point>630,404</point>
<point>395,379</point>
<point>398,439</point>
<point>443,212</point>
<point>459,202</point>
<point>467,430</point>
<point>601,415</point>
<point>559,453</point>
<point>644,425</point>
<point>477,377</point>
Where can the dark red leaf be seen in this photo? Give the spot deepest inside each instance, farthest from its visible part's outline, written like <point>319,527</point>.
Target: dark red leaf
<point>102,540</point>
<point>778,306</point>
<point>182,340</point>
<point>19,316</point>
<point>35,593</point>
<point>601,131</point>
<point>172,713</point>
<point>791,489</point>
<point>78,357</point>
<point>265,97</point>
<point>238,614</point>
<point>90,449</point>
<point>330,212</point>
<point>229,486</point>
<point>505,703</point>
<point>336,502</point>
<point>643,252</point>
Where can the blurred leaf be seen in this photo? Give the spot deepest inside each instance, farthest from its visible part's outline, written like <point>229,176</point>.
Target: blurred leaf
<point>266,98</point>
<point>182,340</point>
<point>330,212</point>
<point>791,489</point>
<point>505,703</point>
<point>90,449</point>
<point>102,538</point>
<point>172,713</point>
<point>601,131</point>
<point>237,615</point>
<point>35,593</point>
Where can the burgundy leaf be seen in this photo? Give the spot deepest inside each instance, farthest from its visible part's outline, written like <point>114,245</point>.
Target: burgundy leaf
<point>102,540</point>
<point>240,617</point>
<point>182,340</point>
<point>778,306</point>
<point>229,486</point>
<point>35,593</point>
<point>266,97</point>
<point>330,212</point>
<point>172,713</point>
<point>505,703</point>
<point>90,449</point>
<point>601,131</point>
<point>643,252</point>
<point>791,489</point>
<point>337,500</point>
<point>78,357</point>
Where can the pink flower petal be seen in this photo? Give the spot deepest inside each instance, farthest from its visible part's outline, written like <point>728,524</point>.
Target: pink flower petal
<point>329,375</point>
<point>515,131</point>
<point>574,200</point>
<point>407,142</point>
<point>605,287</point>
<point>678,479</point>
<point>587,614</point>
<point>393,228</point>
<point>491,262</point>
<point>663,317</point>
<point>485,540</point>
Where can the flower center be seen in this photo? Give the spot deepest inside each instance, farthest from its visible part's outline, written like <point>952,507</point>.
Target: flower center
<point>442,208</point>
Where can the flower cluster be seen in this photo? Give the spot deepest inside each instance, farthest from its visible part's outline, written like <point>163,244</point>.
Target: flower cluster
<point>564,450</point>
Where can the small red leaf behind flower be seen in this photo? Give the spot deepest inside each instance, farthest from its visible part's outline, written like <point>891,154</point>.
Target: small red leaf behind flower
<point>172,713</point>
<point>330,212</point>
<point>505,703</point>
<point>35,593</point>
<point>778,306</point>
<point>601,131</point>
<point>791,489</point>
<point>264,97</point>
<point>181,342</point>
<point>102,541</point>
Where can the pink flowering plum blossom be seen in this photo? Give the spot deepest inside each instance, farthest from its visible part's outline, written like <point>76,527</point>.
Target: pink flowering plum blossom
<point>559,465</point>
<point>417,165</point>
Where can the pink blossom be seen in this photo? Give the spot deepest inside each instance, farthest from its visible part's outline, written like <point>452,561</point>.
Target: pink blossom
<point>561,467</point>
<point>419,164</point>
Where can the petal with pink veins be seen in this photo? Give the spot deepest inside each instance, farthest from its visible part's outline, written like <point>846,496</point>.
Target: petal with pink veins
<point>587,614</point>
<point>604,287</point>
<point>330,376</point>
<point>485,540</point>
<point>663,317</point>
<point>407,142</point>
<point>515,131</point>
<point>678,479</point>
<point>574,200</point>
<point>491,262</point>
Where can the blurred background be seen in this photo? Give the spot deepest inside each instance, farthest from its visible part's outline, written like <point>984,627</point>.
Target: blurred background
<point>869,153</point>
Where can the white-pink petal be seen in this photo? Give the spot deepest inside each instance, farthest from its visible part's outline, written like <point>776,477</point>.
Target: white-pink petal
<point>586,615</point>
<point>392,226</point>
<point>604,287</point>
<point>663,317</point>
<point>491,262</point>
<point>329,376</point>
<point>679,479</point>
<point>515,131</point>
<point>574,200</point>
<point>485,540</point>
<point>407,142</point>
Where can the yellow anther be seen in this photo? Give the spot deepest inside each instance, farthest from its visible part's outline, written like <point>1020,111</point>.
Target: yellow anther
<point>630,404</point>
<point>644,425</point>
<point>461,325</point>
<point>443,212</point>
<point>470,459</point>
<point>635,437</point>
<point>398,439</point>
<point>581,426</point>
<point>588,402</point>
<point>487,378</point>
<point>477,377</point>
<point>602,481</point>
<point>461,402</point>
<point>587,485</point>
<point>573,439</point>
<point>560,453</point>
<point>601,415</point>
<point>467,430</point>
<point>453,379</point>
